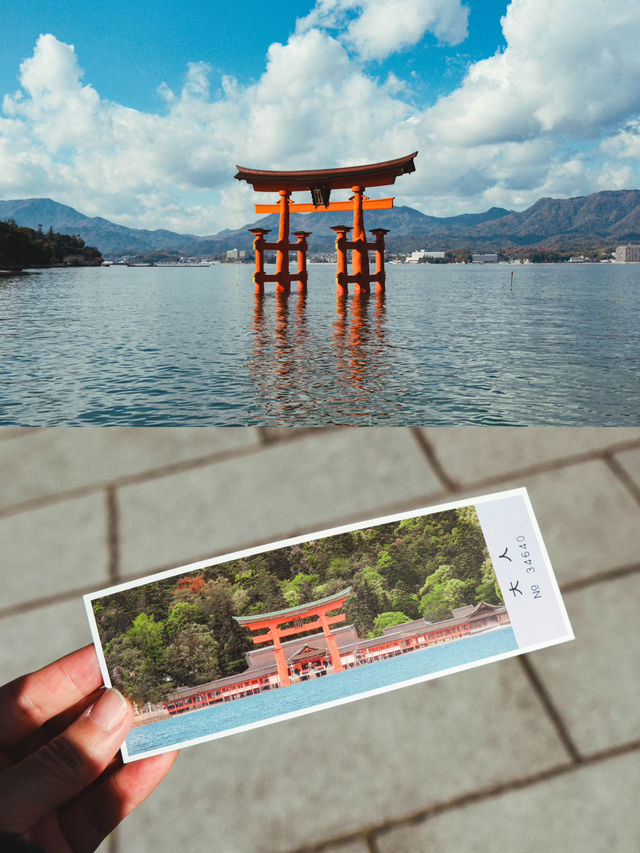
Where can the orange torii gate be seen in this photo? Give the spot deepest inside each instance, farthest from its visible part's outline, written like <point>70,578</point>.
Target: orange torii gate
<point>286,623</point>
<point>320,182</point>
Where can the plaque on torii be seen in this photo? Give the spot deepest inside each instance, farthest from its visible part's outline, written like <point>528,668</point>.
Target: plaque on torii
<point>320,182</point>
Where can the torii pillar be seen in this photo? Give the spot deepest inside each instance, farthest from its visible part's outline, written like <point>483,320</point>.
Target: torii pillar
<point>360,256</point>
<point>283,281</point>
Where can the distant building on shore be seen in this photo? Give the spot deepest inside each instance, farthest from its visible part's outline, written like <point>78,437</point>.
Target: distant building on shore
<point>422,255</point>
<point>628,254</point>
<point>236,254</point>
<point>484,258</point>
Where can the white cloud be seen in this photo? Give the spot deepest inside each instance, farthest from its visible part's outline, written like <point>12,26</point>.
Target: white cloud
<point>61,139</point>
<point>568,68</point>
<point>556,112</point>
<point>377,28</point>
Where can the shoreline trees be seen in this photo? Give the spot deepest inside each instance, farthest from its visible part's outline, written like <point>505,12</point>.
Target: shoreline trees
<point>25,247</point>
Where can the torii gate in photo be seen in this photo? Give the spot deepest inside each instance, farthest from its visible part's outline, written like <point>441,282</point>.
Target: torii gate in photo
<point>278,625</point>
<point>320,182</point>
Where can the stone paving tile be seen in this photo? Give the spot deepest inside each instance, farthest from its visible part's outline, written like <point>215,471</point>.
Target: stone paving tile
<point>53,549</point>
<point>339,771</point>
<point>589,520</point>
<point>591,809</point>
<point>630,461</point>
<point>287,488</point>
<point>32,639</point>
<point>473,454</point>
<point>46,462</point>
<point>593,681</point>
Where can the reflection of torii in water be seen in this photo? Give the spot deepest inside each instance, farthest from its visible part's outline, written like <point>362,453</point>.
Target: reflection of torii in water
<point>286,623</point>
<point>320,182</point>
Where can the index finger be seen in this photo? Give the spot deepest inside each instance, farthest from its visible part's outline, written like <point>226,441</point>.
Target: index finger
<point>29,701</point>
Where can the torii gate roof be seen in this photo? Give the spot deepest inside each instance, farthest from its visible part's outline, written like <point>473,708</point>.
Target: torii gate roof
<point>301,610</point>
<point>369,175</point>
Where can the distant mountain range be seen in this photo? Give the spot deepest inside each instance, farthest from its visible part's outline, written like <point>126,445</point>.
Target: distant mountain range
<point>603,218</point>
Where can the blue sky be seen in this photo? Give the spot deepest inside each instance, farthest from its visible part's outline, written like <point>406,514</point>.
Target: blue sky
<point>138,111</point>
<point>128,49</point>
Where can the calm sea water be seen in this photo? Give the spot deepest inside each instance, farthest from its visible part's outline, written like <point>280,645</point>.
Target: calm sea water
<point>297,697</point>
<point>446,345</point>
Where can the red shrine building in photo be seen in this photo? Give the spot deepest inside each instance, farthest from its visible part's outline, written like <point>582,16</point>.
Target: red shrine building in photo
<point>334,648</point>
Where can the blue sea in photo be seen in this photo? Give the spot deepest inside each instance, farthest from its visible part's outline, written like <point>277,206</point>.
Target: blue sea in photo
<point>297,697</point>
<point>448,344</point>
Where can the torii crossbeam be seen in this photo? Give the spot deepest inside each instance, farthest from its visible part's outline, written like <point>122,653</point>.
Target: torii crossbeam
<point>320,182</point>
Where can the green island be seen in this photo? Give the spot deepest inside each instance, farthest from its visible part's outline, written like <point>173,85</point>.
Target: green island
<point>22,247</point>
<point>180,631</point>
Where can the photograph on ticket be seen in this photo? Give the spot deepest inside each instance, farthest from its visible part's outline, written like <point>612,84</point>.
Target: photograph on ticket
<point>262,635</point>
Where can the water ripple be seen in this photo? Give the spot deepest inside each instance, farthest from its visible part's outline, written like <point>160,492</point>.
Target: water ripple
<point>446,345</point>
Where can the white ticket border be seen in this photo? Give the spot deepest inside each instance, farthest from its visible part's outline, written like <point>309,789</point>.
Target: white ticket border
<point>563,631</point>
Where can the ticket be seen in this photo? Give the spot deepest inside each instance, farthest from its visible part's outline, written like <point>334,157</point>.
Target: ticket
<point>265,634</point>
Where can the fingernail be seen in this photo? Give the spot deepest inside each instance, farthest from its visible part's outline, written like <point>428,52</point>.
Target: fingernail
<point>109,711</point>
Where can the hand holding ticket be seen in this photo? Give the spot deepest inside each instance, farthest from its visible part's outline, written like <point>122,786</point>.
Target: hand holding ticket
<point>242,640</point>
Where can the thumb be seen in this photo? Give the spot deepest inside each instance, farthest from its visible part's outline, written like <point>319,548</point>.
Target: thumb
<point>62,768</point>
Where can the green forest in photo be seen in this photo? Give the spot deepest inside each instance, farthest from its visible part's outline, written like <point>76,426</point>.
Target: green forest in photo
<point>180,631</point>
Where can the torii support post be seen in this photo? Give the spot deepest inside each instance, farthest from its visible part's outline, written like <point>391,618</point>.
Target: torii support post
<point>342,280</point>
<point>258,247</point>
<point>283,280</point>
<point>282,276</point>
<point>361,276</point>
<point>281,661</point>
<point>380,275</point>
<point>326,622</point>
<point>301,247</point>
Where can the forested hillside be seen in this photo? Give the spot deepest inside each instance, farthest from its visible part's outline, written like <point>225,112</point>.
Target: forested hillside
<point>180,631</point>
<point>24,247</point>
<point>600,220</point>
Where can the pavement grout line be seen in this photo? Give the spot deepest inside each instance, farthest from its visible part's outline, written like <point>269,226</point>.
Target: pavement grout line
<point>32,604</point>
<point>551,465</point>
<point>58,598</point>
<point>286,434</point>
<point>623,476</point>
<point>491,792</point>
<point>549,706</point>
<point>429,452</point>
<point>600,577</point>
<point>380,512</point>
<point>265,443</point>
<point>113,534</point>
<point>504,788</point>
<point>338,839</point>
<point>263,437</point>
<point>132,479</point>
